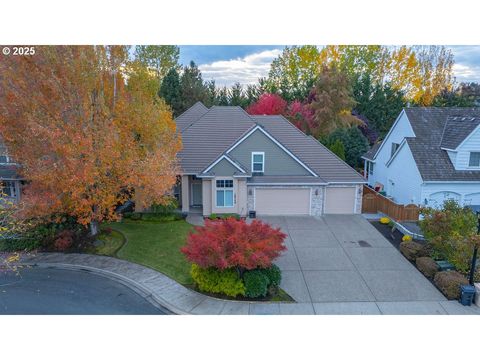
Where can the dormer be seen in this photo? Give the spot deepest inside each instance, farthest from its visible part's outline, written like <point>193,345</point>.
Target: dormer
<point>461,141</point>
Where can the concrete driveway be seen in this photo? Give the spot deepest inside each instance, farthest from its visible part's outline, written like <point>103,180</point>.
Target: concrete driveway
<point>342,265</point>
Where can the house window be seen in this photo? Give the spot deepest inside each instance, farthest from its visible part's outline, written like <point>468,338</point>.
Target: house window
<point>224,193</point>
<point>394,148</point>
<point>4,158</point>
<point>258,162</point>
<point>474,159</point>
<point>370,168</point>
<point>8,188</point>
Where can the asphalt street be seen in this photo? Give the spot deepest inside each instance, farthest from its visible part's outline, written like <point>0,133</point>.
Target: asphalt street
<point>49,291</point>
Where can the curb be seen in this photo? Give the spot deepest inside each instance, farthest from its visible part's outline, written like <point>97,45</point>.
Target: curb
<point>140,289</point>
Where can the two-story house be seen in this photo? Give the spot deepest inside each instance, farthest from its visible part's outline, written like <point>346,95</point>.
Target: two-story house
<point>429,155</point>
<point>233,162</point>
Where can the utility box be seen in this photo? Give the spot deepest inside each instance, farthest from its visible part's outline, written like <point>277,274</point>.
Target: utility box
<point>252,214</point>
<point>467,293</point>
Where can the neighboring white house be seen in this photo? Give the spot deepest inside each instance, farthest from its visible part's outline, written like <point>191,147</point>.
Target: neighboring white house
<point>428,156</point>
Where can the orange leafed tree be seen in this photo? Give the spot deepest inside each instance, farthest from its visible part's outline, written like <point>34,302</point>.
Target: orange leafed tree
<point>83,136</point>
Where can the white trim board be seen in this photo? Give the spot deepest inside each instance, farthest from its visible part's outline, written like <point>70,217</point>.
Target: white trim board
<point>258,127</point>
<point>220,159</point>
<point>400,146</point>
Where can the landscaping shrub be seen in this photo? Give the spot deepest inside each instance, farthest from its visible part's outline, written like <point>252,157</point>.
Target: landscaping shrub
<point>152,217</point>
<point>406,238</point>
<point>215,216</point>
<point>168,208</point>
<point>211,280</point>
<point>256,283</point>
<point>427,266</point>
<point>449,283</point>
<point>411,250</point>
<point>274,275</point>
<point>384,220</point>
<point>234,243</point>
<point>64,240</point>
<point>450,230</point>
<point>20,243</point>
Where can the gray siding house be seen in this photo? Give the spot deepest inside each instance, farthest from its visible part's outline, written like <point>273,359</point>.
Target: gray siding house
<point>233,162</point>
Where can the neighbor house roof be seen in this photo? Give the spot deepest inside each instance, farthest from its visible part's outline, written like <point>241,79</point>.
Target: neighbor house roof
<point>209,134</point>
<point>457,129</point>
<point>433,128</point>
<point>372,152</point>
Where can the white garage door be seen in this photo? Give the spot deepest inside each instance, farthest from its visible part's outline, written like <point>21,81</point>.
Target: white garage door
<point>437,199</point>
<point>340,200</point>
<point>282,201</point>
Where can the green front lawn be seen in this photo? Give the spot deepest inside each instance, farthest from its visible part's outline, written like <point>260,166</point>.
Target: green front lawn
<point>156,245</point>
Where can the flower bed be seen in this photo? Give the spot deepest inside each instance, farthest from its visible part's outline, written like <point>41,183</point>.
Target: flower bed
<point>450,236</point>
<point>232,258</point>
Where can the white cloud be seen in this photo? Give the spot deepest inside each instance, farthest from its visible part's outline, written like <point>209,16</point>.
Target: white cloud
<point>466,73</point>
<point>244,70</point>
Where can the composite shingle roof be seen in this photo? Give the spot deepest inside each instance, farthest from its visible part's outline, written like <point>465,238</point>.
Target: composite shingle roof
<point>214,131</point>
<point>372,152</point>
<point>429,126</point>
<point>456,129</point>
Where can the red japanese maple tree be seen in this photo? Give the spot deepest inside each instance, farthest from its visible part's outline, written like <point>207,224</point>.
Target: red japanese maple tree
<point>234,243</point>
<point>268,104</point>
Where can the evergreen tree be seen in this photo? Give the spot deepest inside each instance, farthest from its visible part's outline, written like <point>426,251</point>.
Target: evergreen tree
<point>252,93</point>
<point>171,91</point>
<point>380,104</point>
<point>222,97</point>
<point>236,96</point>
<point>338,149</point>
<point>354,143</point>
<point>192,86</point>
<point>211,94</point>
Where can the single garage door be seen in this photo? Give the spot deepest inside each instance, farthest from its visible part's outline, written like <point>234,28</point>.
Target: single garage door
<point>340,200</point>
<point>282,201</point>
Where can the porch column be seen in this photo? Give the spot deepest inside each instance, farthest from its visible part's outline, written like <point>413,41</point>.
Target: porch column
<point>185,194</point>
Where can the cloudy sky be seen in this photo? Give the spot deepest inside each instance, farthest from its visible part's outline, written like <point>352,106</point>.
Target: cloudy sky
<point>245,64</point>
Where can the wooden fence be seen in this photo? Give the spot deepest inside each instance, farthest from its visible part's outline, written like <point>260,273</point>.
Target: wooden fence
<point>373,202</point>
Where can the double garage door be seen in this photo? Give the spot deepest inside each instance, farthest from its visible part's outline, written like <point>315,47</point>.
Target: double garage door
<point>296,201</point>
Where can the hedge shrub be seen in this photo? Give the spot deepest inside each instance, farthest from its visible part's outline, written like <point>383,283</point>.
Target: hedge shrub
<point>152,217</point>
<point>274,275</point>
<point>215,216</point>
<point>216,281</point>
<point>256,283</point>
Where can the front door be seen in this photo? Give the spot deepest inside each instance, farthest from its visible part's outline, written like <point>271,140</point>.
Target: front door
<point>197,193</point>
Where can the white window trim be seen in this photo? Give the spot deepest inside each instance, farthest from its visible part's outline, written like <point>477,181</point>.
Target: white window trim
<point>475,167</point>
<point>263,161</point>
<point>232,189</point>
<point>220,159</point>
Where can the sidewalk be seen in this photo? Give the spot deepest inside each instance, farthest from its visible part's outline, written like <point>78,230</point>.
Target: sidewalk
<point>168,293</point>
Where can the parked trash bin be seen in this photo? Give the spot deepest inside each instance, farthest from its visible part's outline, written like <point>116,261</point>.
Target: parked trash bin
<point>467,293</point>
<point>252,214</point>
